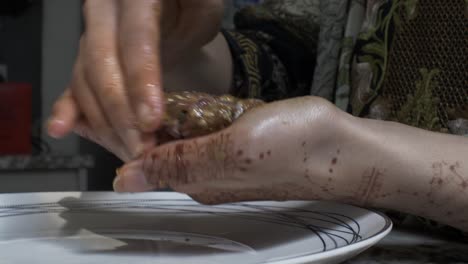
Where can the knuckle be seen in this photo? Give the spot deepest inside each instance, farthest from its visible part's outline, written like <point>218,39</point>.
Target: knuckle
<point>101,56</point>
<point>110,90</point>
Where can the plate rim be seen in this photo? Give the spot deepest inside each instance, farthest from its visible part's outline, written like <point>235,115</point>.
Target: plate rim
<point>360,245</point>
<point>370,241</point>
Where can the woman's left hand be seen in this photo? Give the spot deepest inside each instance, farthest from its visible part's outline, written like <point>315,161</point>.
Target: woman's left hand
<point>284,150</point>
<point>115,97</point>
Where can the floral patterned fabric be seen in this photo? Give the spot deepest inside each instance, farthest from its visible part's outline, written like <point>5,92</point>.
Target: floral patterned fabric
<point>332,25</point>
<point>355,19</point>
<point>274,49</point>
<point>409,64</point>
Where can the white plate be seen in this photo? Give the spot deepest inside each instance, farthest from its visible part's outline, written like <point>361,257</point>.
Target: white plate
<point>171,228</point>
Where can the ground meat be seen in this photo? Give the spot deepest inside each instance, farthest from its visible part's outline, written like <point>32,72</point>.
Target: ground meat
<point>192,114</point>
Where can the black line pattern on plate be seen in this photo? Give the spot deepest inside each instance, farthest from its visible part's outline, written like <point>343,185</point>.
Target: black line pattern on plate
<point>330,228</point>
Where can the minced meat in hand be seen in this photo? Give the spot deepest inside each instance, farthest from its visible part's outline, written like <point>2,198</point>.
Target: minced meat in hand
<point>193,114</point>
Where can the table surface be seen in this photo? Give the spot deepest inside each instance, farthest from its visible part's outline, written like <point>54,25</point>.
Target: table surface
<point>45,162</point>
<point>408,247</point>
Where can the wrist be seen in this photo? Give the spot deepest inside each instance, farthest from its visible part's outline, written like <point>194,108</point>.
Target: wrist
<point>336,154</point>
<point>208,69</point>
<point>364,160</point>
<point>396,162</point>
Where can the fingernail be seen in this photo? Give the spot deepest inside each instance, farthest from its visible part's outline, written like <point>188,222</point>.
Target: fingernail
<point>131,180</point>
<point>53,128</point>
<point>118,184</point>
<point>146,116</point>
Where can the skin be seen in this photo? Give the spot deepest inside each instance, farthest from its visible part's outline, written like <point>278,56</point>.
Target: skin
<point>316,153</point>
<point>115,95</point>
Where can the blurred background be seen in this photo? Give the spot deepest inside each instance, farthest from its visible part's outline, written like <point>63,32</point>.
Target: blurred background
<point>38,45</point>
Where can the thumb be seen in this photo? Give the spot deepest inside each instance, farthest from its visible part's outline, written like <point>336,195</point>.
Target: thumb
<point>181,164</point>
<point>64,116</point>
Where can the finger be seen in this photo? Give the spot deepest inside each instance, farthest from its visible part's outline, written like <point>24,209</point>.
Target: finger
<point>184,163</point>
<point>100,131</point>
<point>131,178</point>
<point>64,116</point>
<point>84,130</point>
<point>139,41</point>
<point>203,17</point>
<point>104,75</point>
<point>197,24</point>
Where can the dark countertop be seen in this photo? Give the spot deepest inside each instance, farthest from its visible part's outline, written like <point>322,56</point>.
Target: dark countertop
<point>408,247</point>
<point>45,162</point>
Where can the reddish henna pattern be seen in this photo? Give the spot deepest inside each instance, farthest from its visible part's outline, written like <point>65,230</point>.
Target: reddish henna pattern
<point>444,174</point>
<point>454,169</point>
<point>327,191</point>
<point>308,177</point>
<point>334,161</point>
<point>464,185</point>
<point>180,164</point>
<point>370,187</point>
<point>306,155</point>
<point>220,150</point>
<point>149,165</point>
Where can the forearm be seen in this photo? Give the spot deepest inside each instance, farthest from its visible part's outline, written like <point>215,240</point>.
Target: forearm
<point>209,70</point>
<point>410,170</point>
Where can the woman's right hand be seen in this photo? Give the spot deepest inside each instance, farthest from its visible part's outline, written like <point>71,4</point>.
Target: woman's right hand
<point>115,96</point>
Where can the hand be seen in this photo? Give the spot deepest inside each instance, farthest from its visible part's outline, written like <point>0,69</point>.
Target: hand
<point>283,150</point>
<point>306,149</point>
<point>115,96</point>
